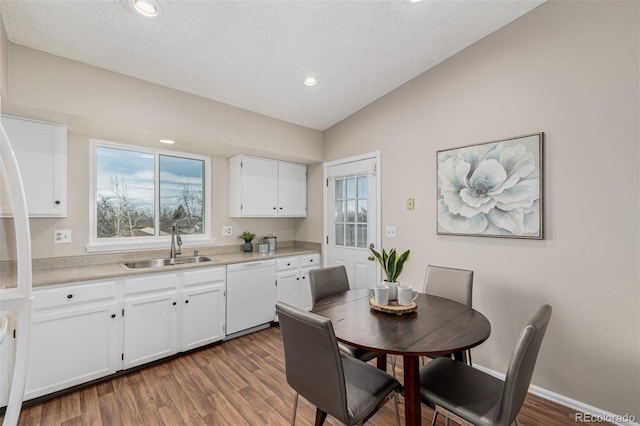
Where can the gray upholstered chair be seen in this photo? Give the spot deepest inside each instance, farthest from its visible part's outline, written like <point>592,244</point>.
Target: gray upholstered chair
<point>472,397</point>
<point>326,282</point>
<point>344,387</point>
<point>454,284</point>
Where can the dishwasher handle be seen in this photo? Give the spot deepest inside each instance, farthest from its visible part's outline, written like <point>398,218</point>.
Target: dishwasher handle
<point>250,265</point>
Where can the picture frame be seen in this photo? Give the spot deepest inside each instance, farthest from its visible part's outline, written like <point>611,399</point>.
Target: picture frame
<point>492,189</point>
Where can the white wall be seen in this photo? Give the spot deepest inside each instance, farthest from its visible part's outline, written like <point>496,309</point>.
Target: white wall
<point>569,69</point>
<point>96,103</point>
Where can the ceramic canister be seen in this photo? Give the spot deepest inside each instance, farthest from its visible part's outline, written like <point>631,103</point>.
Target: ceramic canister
<point>271,240</point>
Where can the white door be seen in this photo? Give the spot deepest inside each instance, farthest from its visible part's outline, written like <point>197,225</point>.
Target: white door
<point>352,210</point>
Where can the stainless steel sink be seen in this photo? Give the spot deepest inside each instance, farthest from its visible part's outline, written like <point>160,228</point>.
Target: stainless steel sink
<point>159,263</point>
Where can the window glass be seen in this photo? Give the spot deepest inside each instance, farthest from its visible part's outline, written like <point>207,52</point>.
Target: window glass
<point>181,189</point>
<point>140,194</point>
<point>125,193</point>
<point>351,211</point>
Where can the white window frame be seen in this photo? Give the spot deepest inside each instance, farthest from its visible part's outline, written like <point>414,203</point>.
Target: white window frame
<point>149,242</point>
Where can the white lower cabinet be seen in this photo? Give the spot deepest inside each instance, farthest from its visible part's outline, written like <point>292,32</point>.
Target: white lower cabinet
<point>76,336</point>
<point>150,318</point>
<point>85,331</point>
<point>203,307</point>
<point>288,281</point>
<point>293,279</point>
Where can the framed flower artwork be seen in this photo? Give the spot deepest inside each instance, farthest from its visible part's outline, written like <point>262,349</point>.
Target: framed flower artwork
<point>492,189</point>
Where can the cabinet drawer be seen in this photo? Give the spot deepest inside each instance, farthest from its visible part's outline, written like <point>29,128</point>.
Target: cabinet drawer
<point>73,294</point>
<point>204,275</point>
<point>310,260</point>
<point>153,282</point>
<point>286,263</point>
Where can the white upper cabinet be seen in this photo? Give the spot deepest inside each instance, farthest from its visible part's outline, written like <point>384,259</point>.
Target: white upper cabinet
<point>261,187</point>
<point>41,151</point>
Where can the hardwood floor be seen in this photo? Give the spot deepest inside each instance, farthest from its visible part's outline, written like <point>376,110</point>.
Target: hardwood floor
<point>239,382</point>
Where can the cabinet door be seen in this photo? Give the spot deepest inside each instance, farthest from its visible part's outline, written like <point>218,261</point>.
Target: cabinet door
<point>73,345</point>
<point>259,186</point>
<point>306,289</point>
<point>41,151</point>
<point>202,315</point>
<point>150,326</point>
<point>307,263</point>
<point>292,189</point>
<point>289,289</point>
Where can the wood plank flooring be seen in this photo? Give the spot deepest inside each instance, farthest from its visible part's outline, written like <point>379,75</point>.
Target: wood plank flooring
<point>239,382</point>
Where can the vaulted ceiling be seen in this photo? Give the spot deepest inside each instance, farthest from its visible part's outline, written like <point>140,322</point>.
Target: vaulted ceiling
<point>256,54</point>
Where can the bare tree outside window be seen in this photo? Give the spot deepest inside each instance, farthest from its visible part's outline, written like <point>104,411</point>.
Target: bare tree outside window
<point>126,204</point>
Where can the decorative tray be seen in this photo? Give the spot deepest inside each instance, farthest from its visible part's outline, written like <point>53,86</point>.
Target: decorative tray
<point>393,307</point>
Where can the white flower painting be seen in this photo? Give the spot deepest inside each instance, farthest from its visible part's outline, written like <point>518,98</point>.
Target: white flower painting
<point>492,189</point>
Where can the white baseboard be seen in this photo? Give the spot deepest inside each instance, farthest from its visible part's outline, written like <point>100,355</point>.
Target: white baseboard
<point>593,414</point>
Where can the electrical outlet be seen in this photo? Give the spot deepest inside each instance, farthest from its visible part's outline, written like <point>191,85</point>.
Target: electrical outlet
<point>62,236</point>
<point>391,232</point>
<point>227,231</point>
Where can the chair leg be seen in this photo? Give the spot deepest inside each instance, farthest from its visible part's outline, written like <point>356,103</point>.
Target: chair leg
<point>320,417</point>
<point>435,416</point>
<point>393,365</point>
<point>295,409</point>
<point>395,397</point>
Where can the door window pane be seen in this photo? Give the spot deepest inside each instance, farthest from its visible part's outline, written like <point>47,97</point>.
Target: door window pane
<point>350,235</point>
<point>362,236</point>
<point>351,211</point>
<point>339,234</point>
<point>339,189</point>
<point>362,187</point>
<point>340,211</point>
<point>351,188</point>
<point>362,211</point>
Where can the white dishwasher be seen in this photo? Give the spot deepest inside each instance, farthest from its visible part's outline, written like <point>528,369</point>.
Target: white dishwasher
<point>251,295</point>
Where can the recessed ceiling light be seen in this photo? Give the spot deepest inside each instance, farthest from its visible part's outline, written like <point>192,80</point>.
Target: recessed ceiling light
<point>310,81</point>
<point>167,141</point>
<point>147,8</point>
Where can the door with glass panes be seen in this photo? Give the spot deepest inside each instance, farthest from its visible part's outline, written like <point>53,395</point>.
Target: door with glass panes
<point>351,218</point>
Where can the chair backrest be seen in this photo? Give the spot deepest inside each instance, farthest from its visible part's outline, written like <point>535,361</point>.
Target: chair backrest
<point>522,364</point>
<point>450,283</point>
<point>327,281</point>
<point>312,359</point>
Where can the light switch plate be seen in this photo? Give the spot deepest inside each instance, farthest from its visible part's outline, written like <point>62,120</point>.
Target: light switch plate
<point>411,203</point>
<point>62,236</point>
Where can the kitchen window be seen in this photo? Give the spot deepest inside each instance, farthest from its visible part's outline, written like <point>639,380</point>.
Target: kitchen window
<point>137,195</point>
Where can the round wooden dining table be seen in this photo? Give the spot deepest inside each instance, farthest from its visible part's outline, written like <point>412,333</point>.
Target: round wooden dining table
<point>438,326</point>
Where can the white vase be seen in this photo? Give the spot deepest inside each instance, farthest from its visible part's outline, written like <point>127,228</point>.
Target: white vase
<point>393,289</point>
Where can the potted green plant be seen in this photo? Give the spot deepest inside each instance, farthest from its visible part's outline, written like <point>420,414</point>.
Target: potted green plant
<point>392,264</point>
<point>247,237</point>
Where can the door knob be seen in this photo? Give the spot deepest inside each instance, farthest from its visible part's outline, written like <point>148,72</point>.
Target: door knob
<point>371,258</point>
<point>371,245</point>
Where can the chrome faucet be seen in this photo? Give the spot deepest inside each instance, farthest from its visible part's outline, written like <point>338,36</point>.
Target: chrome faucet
<point>175,239</point>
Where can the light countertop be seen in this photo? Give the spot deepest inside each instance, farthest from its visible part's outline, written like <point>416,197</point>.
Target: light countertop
<point>53,275</point>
